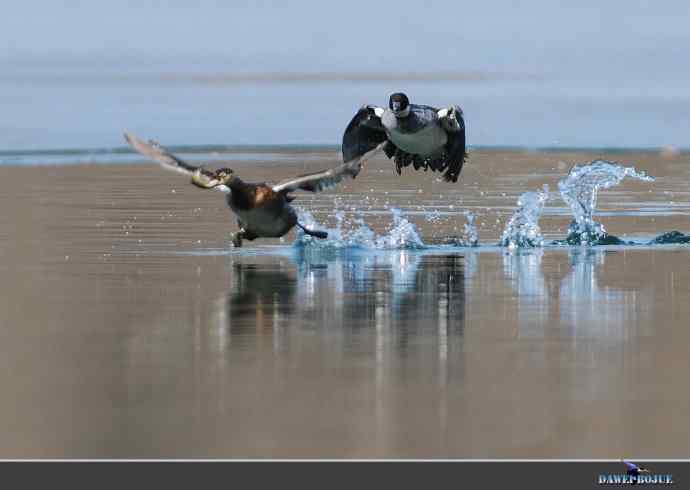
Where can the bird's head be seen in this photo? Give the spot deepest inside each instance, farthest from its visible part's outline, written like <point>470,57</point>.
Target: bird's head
<point>399,104</point>
<point>208,180</point>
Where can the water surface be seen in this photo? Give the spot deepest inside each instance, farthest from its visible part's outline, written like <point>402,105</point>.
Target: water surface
<point>130,328</point>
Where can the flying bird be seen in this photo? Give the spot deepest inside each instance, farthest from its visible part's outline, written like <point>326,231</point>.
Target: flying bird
<point>417,135</point>
<point>263,210</point>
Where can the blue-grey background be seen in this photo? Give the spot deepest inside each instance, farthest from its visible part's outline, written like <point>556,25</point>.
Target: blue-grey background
<point>74,74</point>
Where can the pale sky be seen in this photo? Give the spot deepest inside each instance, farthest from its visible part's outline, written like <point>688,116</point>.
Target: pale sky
<point>616,37</point>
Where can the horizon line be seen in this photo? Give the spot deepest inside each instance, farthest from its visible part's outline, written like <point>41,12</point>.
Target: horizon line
<point>306,147</point>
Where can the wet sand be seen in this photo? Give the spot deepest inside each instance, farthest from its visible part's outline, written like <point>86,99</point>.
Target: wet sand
<point>130,329</point>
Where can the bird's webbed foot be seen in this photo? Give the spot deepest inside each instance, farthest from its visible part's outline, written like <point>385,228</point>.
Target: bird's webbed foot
<point>241,235</point>
<point>236,239</point>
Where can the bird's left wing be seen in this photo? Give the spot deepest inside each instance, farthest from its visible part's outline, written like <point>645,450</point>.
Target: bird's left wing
<point>157,153</point>
<point>456,151</point>
<point>325,179</point>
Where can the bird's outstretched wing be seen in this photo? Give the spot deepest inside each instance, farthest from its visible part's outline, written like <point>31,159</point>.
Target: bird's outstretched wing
<point>363,134</point>
<point>456,151</point>
<point>157,153</point>
<point>325,179</point>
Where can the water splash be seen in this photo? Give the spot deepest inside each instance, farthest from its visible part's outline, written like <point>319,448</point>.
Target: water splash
<point>338,237</point>
<point>434,217</point>
<point>522,230</point>
<point>579,190</point>
<point>402,234</point>
<point>471,233</point>
<point>470,237</point>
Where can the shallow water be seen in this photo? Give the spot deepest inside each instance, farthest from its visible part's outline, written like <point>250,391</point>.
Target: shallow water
<point>130,328</point>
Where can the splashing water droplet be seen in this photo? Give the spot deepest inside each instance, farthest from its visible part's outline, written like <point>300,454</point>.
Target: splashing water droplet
<point>522,230</point>
<point>579,190</point>
<point>433,216</point>
<point>402,234</point>
<point>470,228</point>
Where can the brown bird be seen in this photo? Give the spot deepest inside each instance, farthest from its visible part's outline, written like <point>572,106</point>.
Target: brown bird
<point>262,210</point>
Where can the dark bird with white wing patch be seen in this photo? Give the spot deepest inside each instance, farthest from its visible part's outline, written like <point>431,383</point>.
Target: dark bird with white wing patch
<point>411,134</point>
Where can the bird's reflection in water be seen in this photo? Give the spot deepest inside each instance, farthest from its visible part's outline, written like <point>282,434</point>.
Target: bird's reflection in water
<point>262,297</point>
<point>402,298</point>
<point>572,298</point>
<point>399,315</point>
<point>523,268</point>
<point>593,309</point>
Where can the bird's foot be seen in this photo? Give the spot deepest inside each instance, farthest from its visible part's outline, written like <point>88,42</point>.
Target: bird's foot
<point>315,233</point>
<point>236,239</point>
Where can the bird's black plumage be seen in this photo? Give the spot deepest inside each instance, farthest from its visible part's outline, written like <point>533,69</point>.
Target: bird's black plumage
<point>439,136</point>
<point>363,134</point>
<point>456,152</point>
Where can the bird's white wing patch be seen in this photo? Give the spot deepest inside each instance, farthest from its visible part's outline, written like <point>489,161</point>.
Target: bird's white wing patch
<point>448,117</point>
<point>326,179</point>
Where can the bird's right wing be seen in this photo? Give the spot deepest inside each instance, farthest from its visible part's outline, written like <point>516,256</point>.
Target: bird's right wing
<point>157,153</point>
<point>325,179</point>
<point>364,133</point>
<point>456,149</point>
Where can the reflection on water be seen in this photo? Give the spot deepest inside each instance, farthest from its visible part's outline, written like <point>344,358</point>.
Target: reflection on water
<point>523,269</point>
<point>402,294</point>
<point>261,298</point>
<point>573,293</point>
<point>130,330</point>
<point>390,316</point>
<point>594,310</point>
<point>484,353</point>
<point>397,295</point>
